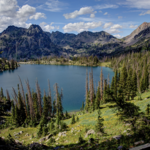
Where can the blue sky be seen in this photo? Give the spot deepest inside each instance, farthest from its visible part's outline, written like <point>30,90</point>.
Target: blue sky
<point>117,17</point>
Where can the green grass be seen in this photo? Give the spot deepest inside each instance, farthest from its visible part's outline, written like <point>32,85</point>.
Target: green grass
<point>112,126</point>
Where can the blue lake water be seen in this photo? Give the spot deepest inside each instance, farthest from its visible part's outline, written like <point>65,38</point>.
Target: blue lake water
<point>70,78</point>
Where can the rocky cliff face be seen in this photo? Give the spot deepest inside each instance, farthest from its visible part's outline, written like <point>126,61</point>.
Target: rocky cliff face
<point>132,38</point>
<point>29,43</point>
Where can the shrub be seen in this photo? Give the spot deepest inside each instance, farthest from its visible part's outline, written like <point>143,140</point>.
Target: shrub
<point>81,139</point>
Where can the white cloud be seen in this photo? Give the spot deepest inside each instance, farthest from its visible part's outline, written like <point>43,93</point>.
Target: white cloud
<point>82,11</point>
<point>145,13</point>
<point>117,36</point>
<point>8,8</point>
<point>92,16</point>
<point>100,11</point>
<point>12,14</point>
<point>112,31</point>
<point>106,13</point>
<point>116,26</point>
<point>139,4</point>
<point>107,25</point>
<point>37,16</point>
<point>53,6</point>
<point>133,26</point>
<point>120,17</point>
<point>24,12</point>
<point>81,26</point>
<point>48,27</point>
<point>106,6</point>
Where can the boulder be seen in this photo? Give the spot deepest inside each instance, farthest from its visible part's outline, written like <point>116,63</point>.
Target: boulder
<point>91,131</point>
<point>91,140</point>
<point>120,147</point>
<point>117,137</point>
<point>42,139</point>
<point>27,134</point>
<point>62,133</point>
<point>48,136</point>
<point>21,132</point>
<point>138,143</point>
<point>35,145</point>
<point>128,124</point>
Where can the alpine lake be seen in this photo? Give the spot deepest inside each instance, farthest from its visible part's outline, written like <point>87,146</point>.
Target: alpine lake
<point>71,79</point>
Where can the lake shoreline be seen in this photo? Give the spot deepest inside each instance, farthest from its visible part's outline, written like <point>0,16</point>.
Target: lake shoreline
<point>104,64</point>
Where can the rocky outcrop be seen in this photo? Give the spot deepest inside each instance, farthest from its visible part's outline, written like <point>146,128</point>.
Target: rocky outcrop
<point>28,43</point>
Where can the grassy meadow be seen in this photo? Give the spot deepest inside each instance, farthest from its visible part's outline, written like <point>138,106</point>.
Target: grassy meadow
<point>112,126</point>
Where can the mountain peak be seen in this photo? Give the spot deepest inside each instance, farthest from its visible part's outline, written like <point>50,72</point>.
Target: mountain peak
<point>35,27</point>
<point>143,26</point>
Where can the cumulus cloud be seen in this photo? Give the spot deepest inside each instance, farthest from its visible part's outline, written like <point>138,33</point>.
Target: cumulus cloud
<point>8,8</point>
<point>81,26</point>
<point>107,25</point>
<point>12,14</point>
<point>117,36</point>
<point>24,12</point>
<point>145,13</point>
<point>133,26</point>
<point>48,27</point>
<point>106,13</point>
<point>139,4</point>
<point>37,16</point>
<point>116,26</point>
<point>112,31</point>
<point>82,11</point>
<point>53,6</point>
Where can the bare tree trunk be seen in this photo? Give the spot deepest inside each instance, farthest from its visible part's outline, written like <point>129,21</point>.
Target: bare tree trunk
<point>15,96</point>
<point>39,97</point>
<point>101,83</point>
<point>7,95</point>
<point>87,88</point>
<point>23,96</point>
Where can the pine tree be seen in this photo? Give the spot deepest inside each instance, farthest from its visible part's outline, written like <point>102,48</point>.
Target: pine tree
<point>39,98</point>
<point>148,109</point>
<point>101,84</point>
<point>99,124</point>
<point>129,85</point>
<point>54,107</point>
<point>86,93</point>
<point>104,91</point>
<point>97,100</point>
<point>146,77</point>
<point>51,125</point>
<point>17,119</point>
<point>73,119</point>
<point>82,108</point>
<point>13,110</point>
<point>134,85</point>
<point>123,79</point>
<point>28,107</point>
<point>49,98</point>
<point>45,106</point>
<point>115,83</point>
<point>23,96</point>
<point>32,114</point>
<point>1,93</point>
<point>35,105</point>
<point>21,110</point>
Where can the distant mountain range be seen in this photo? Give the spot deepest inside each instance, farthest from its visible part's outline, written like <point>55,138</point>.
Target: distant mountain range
<point>34,42</point>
